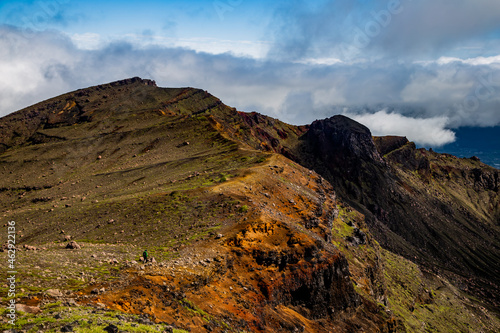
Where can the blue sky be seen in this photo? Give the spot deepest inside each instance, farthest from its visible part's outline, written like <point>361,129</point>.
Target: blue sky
<point>149,21</point>
<point>419,68</point>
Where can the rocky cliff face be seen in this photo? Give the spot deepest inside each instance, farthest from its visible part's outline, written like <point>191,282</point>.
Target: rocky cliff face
<point>342,142</point>
<point>433,208</point>
<point>417,203</point>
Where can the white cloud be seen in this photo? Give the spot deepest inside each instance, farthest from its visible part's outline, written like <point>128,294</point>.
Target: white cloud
<point>320,61</point>
<point>477,61</point>
<point>242,48</point>
<point>430,132</point>
<point>88,41</point>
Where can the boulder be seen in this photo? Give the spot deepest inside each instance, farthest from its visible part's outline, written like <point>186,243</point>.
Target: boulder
<point>73,246</point>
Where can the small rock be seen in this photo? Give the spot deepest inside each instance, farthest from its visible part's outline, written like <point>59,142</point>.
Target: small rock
<point>67,328</point>
<point>57,316</point>
<point>219,236</point>
<point>28,309</point>
<point>71,302</point>
<point>145,321</point>
<point>73,246</point>
<point>54,293</point>
<point>111,328</point>
<point>67,238</point>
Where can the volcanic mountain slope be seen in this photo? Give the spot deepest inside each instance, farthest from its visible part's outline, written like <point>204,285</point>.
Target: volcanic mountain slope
<point>245,239</point>
<point>438,210</point>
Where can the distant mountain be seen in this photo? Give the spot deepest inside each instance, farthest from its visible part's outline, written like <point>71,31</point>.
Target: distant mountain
<point>483,142</point>
<point>255,225</point>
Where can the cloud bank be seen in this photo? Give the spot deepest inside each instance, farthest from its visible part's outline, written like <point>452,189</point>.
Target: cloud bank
<point>429,132</point>
<point>421,100</point>
<point>359,29</point>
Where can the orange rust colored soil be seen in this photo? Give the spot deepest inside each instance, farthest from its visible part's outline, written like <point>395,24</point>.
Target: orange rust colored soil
<point>275,269</point>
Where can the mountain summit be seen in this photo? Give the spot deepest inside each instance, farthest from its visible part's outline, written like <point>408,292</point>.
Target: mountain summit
<point>253,224</point>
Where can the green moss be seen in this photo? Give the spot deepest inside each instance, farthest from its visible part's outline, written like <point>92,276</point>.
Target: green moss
<point>261,159</point>
<point>430,305</point>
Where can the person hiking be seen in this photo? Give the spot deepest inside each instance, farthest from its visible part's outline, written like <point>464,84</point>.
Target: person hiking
<point>145,256</point>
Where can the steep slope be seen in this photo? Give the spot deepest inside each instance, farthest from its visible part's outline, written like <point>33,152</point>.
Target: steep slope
<point>441,210</point>
<point>274,269</point>
<point>435,209</point>
<point>244,239</point>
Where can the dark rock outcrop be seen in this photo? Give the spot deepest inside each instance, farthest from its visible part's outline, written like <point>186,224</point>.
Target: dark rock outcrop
<point>387,144</point>
<point>392,192</point>
<point>342,142</point>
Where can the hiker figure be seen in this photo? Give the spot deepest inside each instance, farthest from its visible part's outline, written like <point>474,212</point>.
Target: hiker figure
<point>145,256</point>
